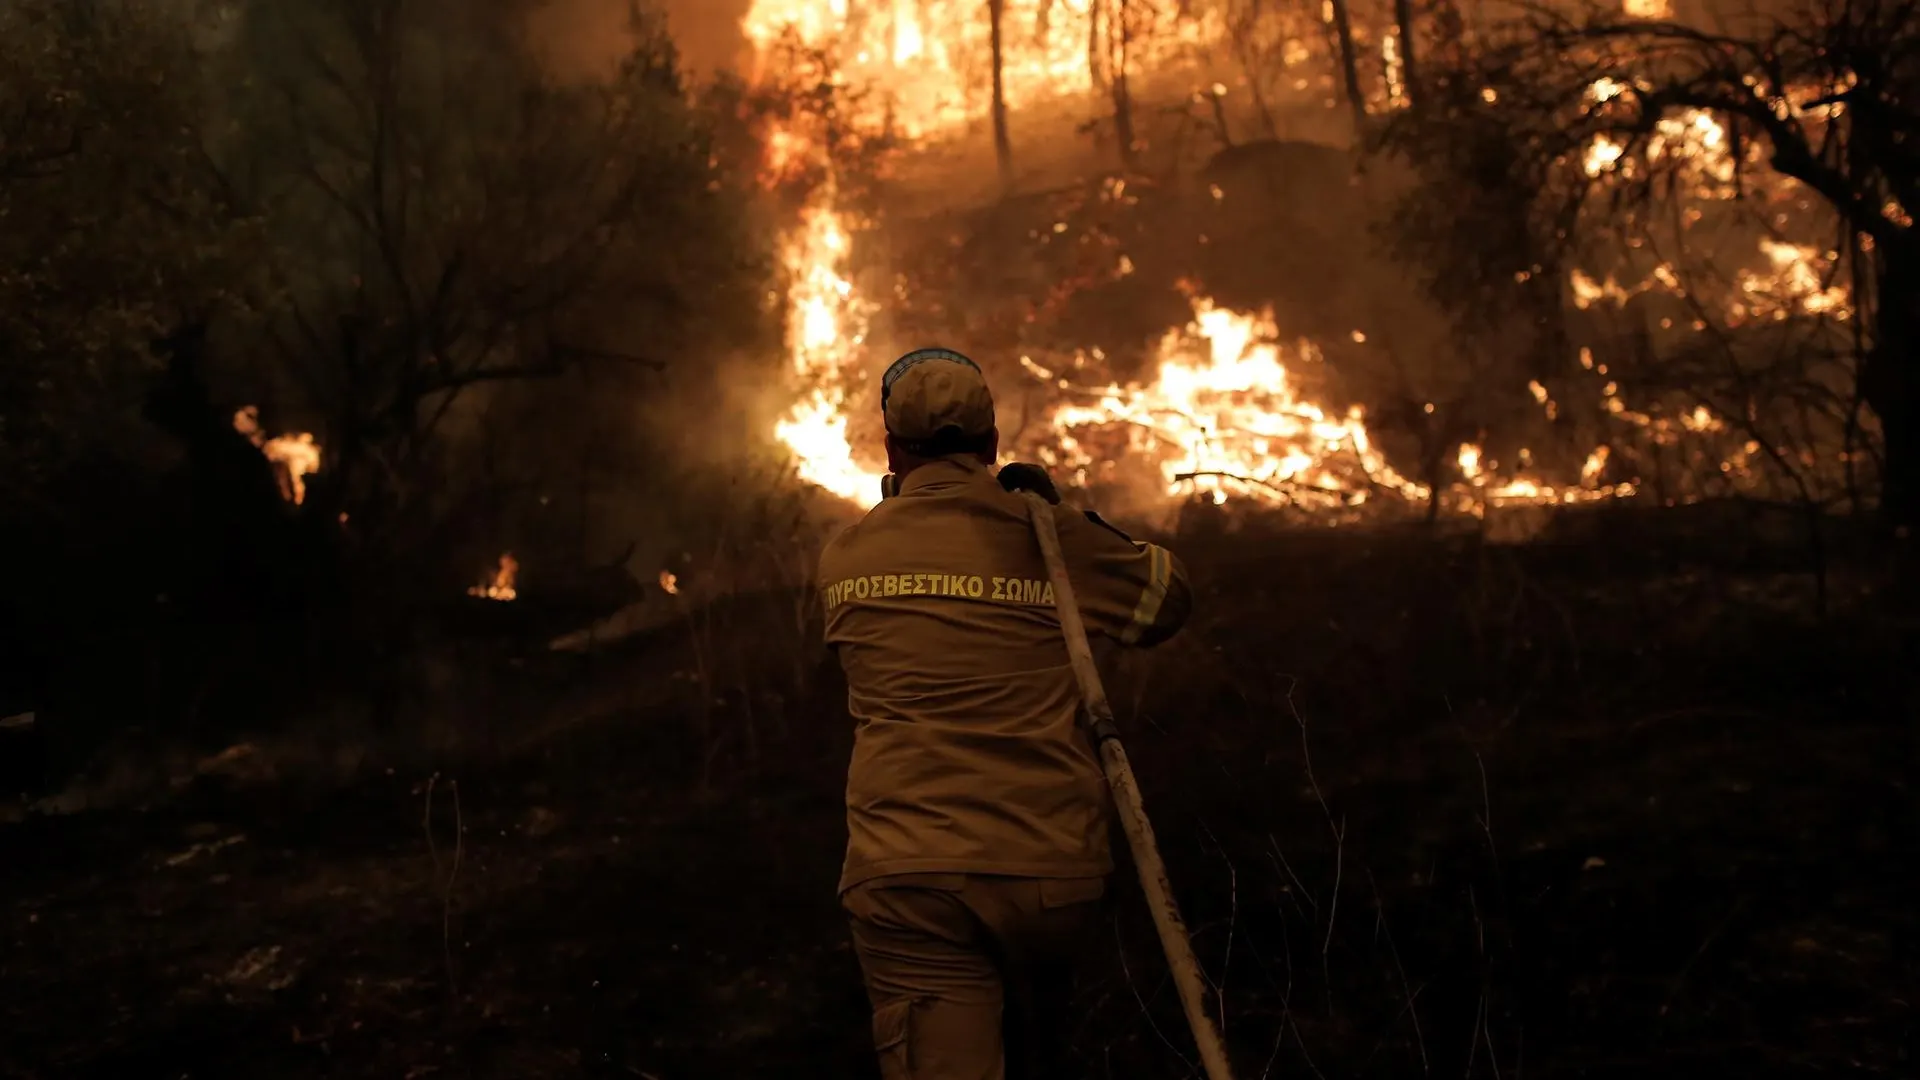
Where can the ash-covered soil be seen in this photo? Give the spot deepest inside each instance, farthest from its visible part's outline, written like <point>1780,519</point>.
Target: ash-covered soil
<point>1611,806</point>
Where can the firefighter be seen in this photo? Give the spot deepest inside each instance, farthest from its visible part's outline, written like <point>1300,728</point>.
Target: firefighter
<point>977,853</point>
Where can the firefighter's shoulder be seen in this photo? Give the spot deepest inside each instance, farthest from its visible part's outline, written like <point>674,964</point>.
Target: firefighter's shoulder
<point>849,549</point>
<point>839,548</point>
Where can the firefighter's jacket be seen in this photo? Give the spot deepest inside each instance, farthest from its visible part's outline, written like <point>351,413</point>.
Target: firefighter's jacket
<point>968,756</point>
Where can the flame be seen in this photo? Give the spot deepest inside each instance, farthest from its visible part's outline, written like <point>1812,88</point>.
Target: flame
<point>1603,154</point>
<point>1470,461</point>
<point>1225,417</point>
<point>669,584</point>
<point>1792,280</point>
<point>924,58</point>
<point>295,457</point>
<point>927,58</point>
<point>1595,465</point>
<point>1693,139</point>
<point>827,324</point>
<point>501,585</point>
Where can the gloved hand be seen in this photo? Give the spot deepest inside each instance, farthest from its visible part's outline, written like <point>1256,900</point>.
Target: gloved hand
<point>1021,476</point>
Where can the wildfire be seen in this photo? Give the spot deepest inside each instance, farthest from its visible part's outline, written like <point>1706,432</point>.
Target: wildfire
<point>928,58</point>
<point>1224,417</point>
<point>925,58</point>
<point>827,325</point>
<point>500,586</point>
<point>1797,278</point>
<point>294,457</point>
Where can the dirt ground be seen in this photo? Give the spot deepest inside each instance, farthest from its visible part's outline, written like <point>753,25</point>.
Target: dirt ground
<point>1611,805</point>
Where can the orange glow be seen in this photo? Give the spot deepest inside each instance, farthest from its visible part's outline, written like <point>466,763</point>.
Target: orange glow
<point>500,586</point>
<point>294,457</point>
<point>1222,414</point>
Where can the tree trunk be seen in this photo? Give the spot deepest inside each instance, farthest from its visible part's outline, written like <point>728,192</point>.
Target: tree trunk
<point>1002,141</point>
<point>1350,67</point>
<point>1890,380</point>
<point>1122,38</point>
<point>1097,44</point>
<point>1409,83</point>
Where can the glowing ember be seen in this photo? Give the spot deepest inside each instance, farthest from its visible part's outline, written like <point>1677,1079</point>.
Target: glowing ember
<point>501,585</point>
<point>669,583</point>
<point>294,457</point>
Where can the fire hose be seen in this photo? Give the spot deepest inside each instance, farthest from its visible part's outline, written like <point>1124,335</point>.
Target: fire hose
<point>1126,797</point>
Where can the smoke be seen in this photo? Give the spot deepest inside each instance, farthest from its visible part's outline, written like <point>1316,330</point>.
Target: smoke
<point>708,31</point>
<point>587,38</point>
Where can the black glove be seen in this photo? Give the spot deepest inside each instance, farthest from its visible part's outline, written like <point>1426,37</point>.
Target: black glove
<point>1021,476</point>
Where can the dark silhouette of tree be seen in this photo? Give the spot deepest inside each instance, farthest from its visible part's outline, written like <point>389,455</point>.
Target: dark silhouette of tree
<point>1349,64</point>
<point>1403,20</point>
<point>1120,30</point>
<point>1002,140</point>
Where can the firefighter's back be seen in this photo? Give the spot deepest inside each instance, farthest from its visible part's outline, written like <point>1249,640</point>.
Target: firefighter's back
<point>966,757</point>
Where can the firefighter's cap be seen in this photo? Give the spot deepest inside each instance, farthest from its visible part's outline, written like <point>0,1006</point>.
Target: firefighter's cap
<point>932,390</point>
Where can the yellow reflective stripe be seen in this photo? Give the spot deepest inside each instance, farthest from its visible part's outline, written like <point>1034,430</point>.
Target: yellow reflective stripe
<point>1159,570</point>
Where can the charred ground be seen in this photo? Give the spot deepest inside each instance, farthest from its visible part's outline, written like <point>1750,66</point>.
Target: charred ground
<point>1622,802</point>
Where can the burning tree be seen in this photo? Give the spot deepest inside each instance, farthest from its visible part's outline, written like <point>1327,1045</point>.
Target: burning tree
<point>1732,200</point>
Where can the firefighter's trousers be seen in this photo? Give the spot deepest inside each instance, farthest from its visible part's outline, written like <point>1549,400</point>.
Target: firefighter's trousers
<point>970,975</point>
